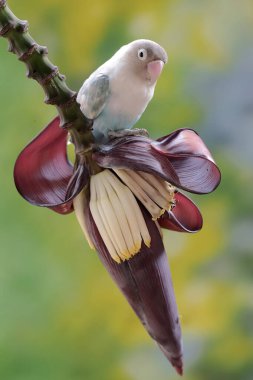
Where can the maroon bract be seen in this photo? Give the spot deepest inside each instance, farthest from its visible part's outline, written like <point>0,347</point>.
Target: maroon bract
<point>121,206</point>
<point>43,173</point>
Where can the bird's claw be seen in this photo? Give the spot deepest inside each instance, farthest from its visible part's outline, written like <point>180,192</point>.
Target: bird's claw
<point>128,132</point>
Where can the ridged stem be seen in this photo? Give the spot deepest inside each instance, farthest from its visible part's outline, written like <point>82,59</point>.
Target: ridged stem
<point>47,75</point>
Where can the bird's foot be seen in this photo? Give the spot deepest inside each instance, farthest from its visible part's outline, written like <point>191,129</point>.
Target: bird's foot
<point>128,132</point>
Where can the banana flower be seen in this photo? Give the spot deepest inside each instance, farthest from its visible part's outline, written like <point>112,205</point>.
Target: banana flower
<point>121,202</point>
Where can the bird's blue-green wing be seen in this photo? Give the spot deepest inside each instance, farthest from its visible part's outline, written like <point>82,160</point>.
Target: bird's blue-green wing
<point>93,95</point>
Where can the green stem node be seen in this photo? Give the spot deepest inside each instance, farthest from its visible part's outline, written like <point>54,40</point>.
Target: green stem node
<point>47,75</point>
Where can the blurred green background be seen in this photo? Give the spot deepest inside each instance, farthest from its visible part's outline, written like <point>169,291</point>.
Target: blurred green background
<point>61,317</point>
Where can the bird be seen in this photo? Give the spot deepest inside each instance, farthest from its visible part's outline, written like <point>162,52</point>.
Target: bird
<point>116,94</point>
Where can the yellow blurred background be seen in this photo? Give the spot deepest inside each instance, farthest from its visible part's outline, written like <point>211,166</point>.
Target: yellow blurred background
<point>61,317</point>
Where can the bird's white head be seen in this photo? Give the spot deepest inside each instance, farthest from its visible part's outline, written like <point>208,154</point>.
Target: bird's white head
<point>145,57</point>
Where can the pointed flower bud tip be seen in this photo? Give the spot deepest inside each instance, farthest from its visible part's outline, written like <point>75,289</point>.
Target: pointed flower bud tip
<point>179,370</point>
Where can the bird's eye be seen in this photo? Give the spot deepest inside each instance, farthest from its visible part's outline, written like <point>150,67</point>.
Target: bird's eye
<point>142,54</point>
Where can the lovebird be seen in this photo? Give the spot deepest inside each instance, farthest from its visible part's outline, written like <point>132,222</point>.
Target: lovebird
<point>118,92</point>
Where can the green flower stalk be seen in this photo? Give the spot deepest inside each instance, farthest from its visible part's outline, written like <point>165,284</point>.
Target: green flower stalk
<point>47,75</point>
